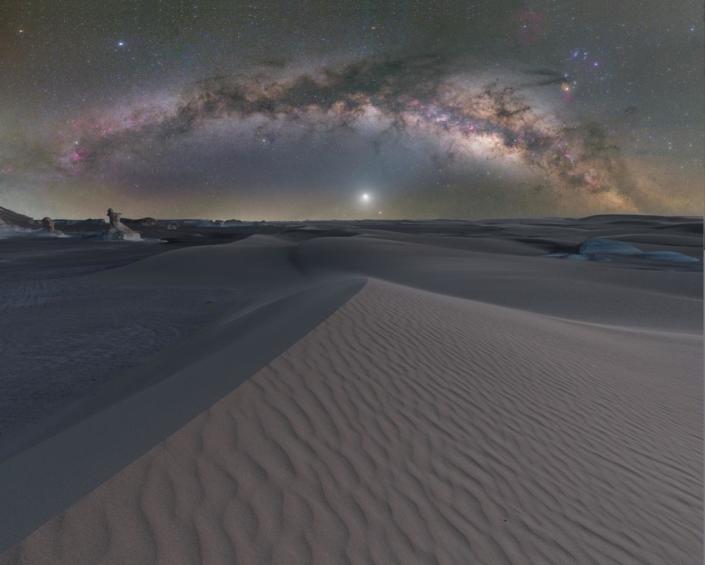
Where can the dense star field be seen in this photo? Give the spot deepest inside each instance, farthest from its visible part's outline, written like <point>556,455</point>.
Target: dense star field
<point>334,110</point>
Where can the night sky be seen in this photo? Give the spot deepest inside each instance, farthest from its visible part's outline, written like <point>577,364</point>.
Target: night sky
<point>292,110</point>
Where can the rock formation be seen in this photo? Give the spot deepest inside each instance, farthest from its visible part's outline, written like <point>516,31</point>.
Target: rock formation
<point>117,230</point>
<point>9,218</point>
<point>48,224</point>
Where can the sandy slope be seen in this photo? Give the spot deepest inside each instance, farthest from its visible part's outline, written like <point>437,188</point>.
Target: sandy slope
<point>412,427</point>
<point>95,318</point>
<point>91,328</point>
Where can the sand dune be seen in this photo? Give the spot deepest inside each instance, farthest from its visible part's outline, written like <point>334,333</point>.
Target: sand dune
<point>414,427</point>
<point>99,330</point>
<point>475,402</point>
<point>95,314</point>
<point>600,293</point>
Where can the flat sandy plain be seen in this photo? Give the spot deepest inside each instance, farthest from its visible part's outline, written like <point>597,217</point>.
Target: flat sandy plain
<point>356,392</point>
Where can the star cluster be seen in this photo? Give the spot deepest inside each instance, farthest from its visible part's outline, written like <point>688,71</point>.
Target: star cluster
<point>272,110</point>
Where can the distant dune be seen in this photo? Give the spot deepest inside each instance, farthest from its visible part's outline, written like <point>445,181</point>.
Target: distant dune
<point>10,218</point>
<point>447,399</point>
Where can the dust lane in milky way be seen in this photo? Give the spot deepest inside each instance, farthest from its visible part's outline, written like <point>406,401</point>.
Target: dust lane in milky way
<point>264,111</point>
<point>422,97</point>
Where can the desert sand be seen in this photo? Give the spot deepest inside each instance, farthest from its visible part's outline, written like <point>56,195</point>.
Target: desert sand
<point>411,394</point>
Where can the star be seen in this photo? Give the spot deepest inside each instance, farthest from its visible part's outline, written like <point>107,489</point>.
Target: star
<point>308,100</point>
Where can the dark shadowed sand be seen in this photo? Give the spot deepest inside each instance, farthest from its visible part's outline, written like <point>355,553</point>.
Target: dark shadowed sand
<point>412,392</point>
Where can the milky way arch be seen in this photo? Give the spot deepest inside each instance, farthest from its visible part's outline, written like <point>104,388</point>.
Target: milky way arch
<point>422,96</point>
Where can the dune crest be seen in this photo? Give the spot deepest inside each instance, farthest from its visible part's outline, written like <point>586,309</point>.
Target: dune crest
<point>412,427</point>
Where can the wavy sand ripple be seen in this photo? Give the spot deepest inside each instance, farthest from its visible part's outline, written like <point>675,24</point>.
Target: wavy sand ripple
<point>412,427</point>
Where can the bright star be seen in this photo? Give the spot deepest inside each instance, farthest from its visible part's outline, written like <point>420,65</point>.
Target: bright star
<point>121,43</point>
<point>365,197</point>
